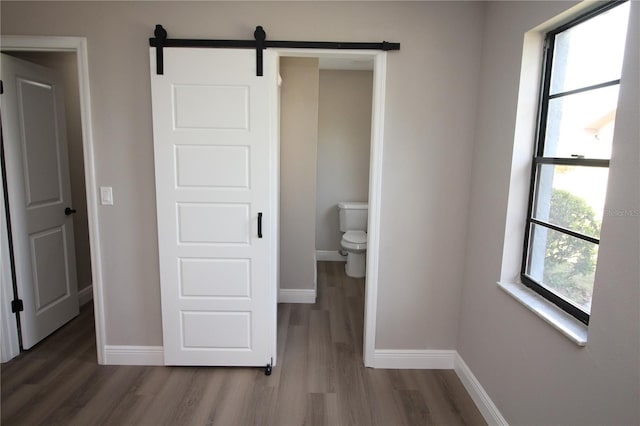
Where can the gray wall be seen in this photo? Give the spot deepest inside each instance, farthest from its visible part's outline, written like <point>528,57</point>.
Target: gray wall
<point>533,373</point>
<point>344,141</point>
<point>430,117</point>
<point>298,142</point>
<point>456,196</point>
<point>67,67</point>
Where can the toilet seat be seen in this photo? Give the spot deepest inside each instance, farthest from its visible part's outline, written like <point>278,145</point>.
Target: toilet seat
<point>354,240</point>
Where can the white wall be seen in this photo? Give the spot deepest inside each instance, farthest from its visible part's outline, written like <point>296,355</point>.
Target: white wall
<point>534,374</point>
<point>298,143</point>
<point>344,142</point>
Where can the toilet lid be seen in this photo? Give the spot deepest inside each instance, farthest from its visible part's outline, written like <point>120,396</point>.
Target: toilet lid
<point>355,237</point>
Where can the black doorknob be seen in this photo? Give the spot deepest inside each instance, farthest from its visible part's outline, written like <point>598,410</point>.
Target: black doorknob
<point>69,211</point>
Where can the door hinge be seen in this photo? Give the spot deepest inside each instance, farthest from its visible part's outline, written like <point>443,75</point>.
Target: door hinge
<point>17,306</point>
<point>1,87</point>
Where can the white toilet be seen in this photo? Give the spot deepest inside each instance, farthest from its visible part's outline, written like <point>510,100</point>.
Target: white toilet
<point>353,222</point>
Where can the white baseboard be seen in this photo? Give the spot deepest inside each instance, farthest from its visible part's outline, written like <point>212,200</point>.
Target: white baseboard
<point>286,295</point>
<point>383,358</point>
<point>330,256</point>
<point>484,403</point>
<point>414,359</point>
<point>442,360</point>
<point>134,355</point>
<point>85,295</point>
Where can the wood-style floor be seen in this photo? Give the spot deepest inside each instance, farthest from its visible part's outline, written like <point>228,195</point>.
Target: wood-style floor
<point>319,380</point>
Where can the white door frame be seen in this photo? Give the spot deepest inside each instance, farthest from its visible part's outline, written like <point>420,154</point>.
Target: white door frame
<point>78,45</point>
<point>375,180</point>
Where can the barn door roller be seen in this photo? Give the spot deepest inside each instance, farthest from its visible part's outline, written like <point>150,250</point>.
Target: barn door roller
<point>259,43</point>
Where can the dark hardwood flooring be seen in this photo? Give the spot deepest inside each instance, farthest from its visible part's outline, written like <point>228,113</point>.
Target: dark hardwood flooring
<point>319,380</point>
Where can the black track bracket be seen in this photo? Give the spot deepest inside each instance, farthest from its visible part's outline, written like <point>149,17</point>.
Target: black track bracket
<point>259,43</point>
<point>161,38</point>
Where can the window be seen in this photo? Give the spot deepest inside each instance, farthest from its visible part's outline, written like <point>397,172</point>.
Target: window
<point>578,101</point>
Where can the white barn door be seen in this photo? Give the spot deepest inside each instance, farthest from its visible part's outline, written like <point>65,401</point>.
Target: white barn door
<point>215,144</point>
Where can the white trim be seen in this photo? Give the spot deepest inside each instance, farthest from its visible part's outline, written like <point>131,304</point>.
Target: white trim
<point>373,225</point>
<point>441,360</point>
<point>79,46</point>
<point>286,295</point>
<point>482,400</point>
<point>566,324</point>
<point>85,295</point>
<point>9,345</point>
<point>274,201</point>
<point>134,355</point>
<point>9,342</point>
<point>414,359</point>
<point>330,256</point>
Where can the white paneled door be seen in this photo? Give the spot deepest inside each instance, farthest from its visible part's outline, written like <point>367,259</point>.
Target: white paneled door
<point>39,189</point>
<point>215,144</point>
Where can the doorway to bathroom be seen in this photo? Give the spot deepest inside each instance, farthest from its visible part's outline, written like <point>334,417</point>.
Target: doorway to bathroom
<point>331,108</point>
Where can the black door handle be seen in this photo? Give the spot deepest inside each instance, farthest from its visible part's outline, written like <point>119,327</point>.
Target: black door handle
<point>69,211</point>
<point>259,224</point>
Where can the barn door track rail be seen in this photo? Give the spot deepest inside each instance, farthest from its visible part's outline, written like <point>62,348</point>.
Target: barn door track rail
<point>259,43</point>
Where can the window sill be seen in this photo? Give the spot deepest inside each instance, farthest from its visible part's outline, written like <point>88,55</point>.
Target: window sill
<point>573,329</point>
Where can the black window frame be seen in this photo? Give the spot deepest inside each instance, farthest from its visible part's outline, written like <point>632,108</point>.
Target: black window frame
<point>539,159</point>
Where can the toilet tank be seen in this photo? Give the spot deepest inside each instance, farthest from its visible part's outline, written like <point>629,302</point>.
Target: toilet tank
<point>353,216</point>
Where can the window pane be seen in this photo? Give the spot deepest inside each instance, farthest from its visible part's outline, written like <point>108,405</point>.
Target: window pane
<point>572,197</point>
<point>581,124</point>
<point>563,264</point>
<point>591,52</point>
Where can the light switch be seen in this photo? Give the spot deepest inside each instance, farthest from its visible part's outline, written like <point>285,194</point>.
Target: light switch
<point>106,195</point>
